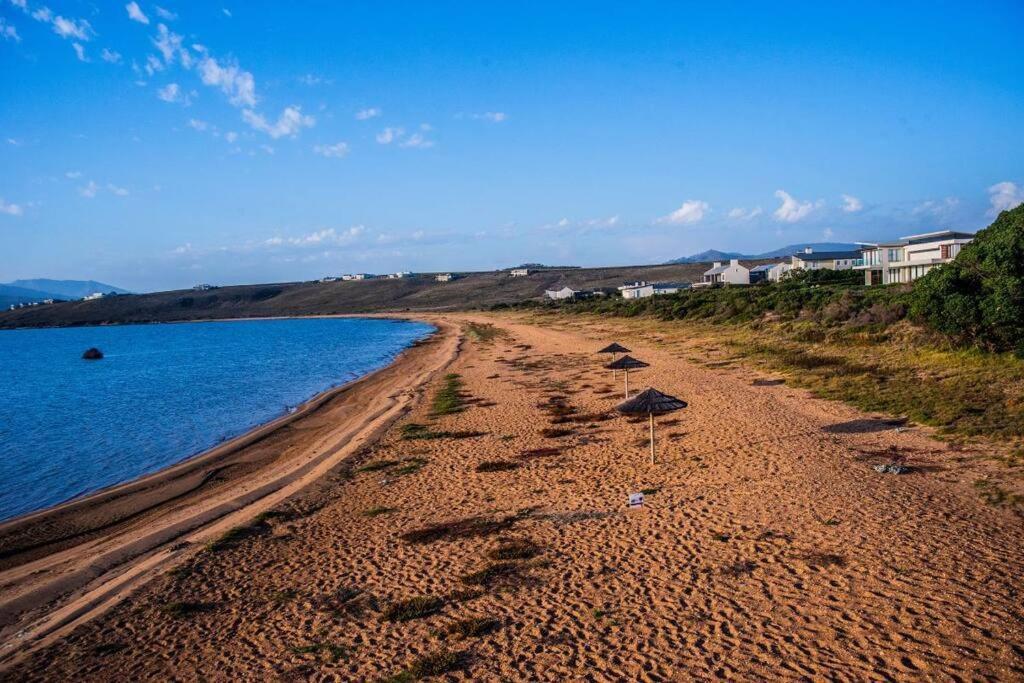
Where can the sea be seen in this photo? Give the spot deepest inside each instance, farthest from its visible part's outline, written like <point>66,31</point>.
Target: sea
<point>162,393</point>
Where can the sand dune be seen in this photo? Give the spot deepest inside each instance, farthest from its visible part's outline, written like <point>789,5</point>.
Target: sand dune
<point>768,549</point>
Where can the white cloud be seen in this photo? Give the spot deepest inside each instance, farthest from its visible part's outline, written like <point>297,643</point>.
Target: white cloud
<point>238,84</point>
<point>73,174</point>
<point>199,125</point>
<point>851,204</point>
<point>89,190</point>
<point>8,31</point>
<point>492,116</point>
<point>1004,196</point>
<point>231,136</point>
<point>227,12</point>
<point>938,209</point>
<point>741,214</point>
<point>119,191</point>
<point>324,237</point>
<point>416,140</point>
<point>110,56</point>
<point>366,114</point>
<point>288,124</point>
<point>9,208</point>
<point>172,93</point>
<point>311,80</point>
<point>389,135</point>
<point>170,45</point>
<point>20,4</point>
<point>336,151</point>
<point>135,13</point>
<point>166,14</point>
<point>79,52</point>
<point>793,210</point>
<point>827,233</point>
<point>692,211</point>
<point>79,29</point>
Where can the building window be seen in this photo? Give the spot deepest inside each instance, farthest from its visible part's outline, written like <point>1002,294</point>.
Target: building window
<point>895,255</point>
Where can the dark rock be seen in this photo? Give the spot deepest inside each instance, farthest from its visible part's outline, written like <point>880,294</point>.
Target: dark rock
<point>92,354</point>
<point>891,468</point>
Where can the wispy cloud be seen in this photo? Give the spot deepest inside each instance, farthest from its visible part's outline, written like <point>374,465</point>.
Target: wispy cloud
<point>166,14</point>
<point>692,211</point>
<point>80,52</point>
<point>336,151</point>
<point>89,190</point>
<point>8,31</point>
<point>135,13</point>
<point>389,135</point>
<point>851,204</point>
<point>936,208</point>
<point>492,116</point>
<point>110,56</point>
<point>793,210</point>
<point>367,114</point>
<point>119,191</point>
<point>173,93</point>
<point>741,214</point>
<point>9,208</point>
<point>238,84</point>
<point>79,29</point>
<point>288,124</point>
<point>1004,196</point>
<point>326,236</point>
<point>416,140</point>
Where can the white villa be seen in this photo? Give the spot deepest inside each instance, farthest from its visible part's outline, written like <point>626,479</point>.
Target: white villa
<point>732,274</point>
<point>910,257</point>
<point>563,293</point>
<point>519,272</point>
<point>94,295</point>
<point>399,275</point>
<point>445,277</point>
<point>642,290</point>
<point>356,276</point>
<point>808,259</point>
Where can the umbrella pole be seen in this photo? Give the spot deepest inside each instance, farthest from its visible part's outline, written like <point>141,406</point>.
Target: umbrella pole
<point>652,437</point>
<point>625,374</point>
<point>615,357</point>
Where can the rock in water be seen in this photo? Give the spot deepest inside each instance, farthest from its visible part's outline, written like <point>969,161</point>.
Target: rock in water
<point>92,354</point>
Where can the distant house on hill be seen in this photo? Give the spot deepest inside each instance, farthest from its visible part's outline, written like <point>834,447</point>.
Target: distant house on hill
<point>94,295</point>
<point>400,275</point>
<point>731,274</point>
<point>808,259</point>
<point>519,272</point>
<point>563,293</point>
<point>910,257</point>
<point>202,287</point>
<point>356,276</point>
<point>636,290</point>
<point>446,277</point>
<point>329,278</point>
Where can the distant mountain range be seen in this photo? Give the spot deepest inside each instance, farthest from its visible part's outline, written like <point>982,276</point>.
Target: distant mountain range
<point>712,255</point>
<point>29,291</point>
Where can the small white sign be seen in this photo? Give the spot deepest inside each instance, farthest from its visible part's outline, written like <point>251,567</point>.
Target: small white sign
<point>636,500</point>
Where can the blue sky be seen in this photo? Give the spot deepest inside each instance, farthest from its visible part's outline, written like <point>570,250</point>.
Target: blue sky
<point>156,146</point>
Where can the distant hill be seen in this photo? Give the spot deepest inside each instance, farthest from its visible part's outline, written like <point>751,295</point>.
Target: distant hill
<point>67,289</point>
<point>11,295</point>
<point>715,255</point>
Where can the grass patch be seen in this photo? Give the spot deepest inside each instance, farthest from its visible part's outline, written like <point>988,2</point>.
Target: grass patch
<point>473,627</point>
<point>434,664</point>
<point>497,466</point>
<point>555,433</point>
<point>415,431</point>
<point>463,528</point>
<point>519,549</point>
<point>233,537</point>
<point>492,573</point>
<point>332,650</point>
<point>409,466</point>
<point>378,510</point>
<point>413,608</point>
<point>377,465</point>
<point>483,332</point>
<point>449,399</point>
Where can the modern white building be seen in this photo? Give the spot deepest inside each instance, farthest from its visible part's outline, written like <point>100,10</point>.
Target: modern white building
<point>718,274</point>
<point>400,275</point>
<point>519,272</point>
<point>94,295</point>
<point>808,259</point>
<point>356,276</point>
<point>563,293</point>
<point>445,277</point>
<point>636,290</point>
<point>910,257</point>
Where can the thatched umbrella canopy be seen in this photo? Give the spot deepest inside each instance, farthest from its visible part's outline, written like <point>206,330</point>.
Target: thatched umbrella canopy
<point>627,363</point>
<point>651,402</point>
<point>614,349</point>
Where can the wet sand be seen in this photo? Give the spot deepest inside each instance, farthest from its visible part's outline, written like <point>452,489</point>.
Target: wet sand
<point>768,548</point>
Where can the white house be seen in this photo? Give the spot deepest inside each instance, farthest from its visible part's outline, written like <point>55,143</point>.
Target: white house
<point>400,275</point>
<point>202,287</point>
<point>910,257</point>
<point>328,279</point>
<point>94,295</point>
<point>636,290</point>
<point>808,259</point>
<point>563,293</point>
<point>732,274</point>
<point>445,277</point>
<point>661,288</point>
<point>520,272</point>
<point>356,276</point>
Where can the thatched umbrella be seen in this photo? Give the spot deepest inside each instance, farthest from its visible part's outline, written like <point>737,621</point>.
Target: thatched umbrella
<point>652,402</point>
<point>615,349</point>
<point>627,363</point>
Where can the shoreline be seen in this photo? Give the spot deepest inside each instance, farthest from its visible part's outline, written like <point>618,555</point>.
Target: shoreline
<point>84,543</point>
<point>241,440</point>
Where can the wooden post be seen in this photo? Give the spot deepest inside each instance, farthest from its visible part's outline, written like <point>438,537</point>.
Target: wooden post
<point>625,374</point>
<point>652,438</point>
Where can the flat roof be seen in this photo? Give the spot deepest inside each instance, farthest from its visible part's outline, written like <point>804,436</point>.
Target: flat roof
<point>939,233</point>
<point>826,255</point>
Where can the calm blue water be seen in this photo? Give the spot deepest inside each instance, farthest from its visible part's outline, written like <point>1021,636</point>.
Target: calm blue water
<point>161,394</point>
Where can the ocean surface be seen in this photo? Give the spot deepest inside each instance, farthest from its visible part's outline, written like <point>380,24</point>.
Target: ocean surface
<point>162,393</point>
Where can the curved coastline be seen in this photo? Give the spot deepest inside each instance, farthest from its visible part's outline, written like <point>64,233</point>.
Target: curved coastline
<point>67,552</point>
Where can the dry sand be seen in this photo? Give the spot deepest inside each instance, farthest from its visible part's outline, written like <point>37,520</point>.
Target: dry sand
<point>768,549</point>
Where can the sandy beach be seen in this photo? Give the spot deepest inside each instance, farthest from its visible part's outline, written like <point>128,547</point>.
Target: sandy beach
<point>767,549</point>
